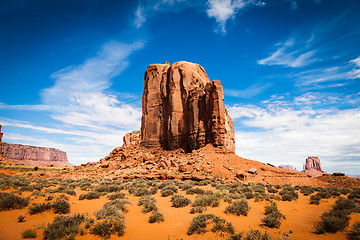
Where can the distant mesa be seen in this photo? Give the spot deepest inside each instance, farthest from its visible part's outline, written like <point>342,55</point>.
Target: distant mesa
<point>31,155</point>
<point>288,167</point>
<point>312,167</point>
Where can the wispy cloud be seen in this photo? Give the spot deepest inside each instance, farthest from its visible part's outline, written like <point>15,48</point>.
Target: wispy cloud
<point>290,55</point>
<point>249,92</point>
<point>355,72</point>
<point>283,131</point>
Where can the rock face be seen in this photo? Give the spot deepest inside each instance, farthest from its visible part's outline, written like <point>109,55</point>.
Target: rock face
<point>182,108</point>
<point>312,167</point>
<point>131,138</point>
<point>31,155</point>
<point>1,148</point>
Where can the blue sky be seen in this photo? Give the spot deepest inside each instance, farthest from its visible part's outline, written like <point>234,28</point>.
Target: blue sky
<point>72,72</point>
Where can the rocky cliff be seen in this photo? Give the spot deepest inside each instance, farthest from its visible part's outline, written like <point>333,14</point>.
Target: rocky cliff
<point>1,148</point>
<point>312,167</point>
<point>182,108</point>
<point>131,138</point>
<point>31,155</point>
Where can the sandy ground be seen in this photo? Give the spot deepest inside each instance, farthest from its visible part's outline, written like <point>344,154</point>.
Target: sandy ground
<point>300,217</point>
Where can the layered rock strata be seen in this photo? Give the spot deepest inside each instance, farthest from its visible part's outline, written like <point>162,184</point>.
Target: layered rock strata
<point>30,155</point>
<point>1,148</point>
<point>182,108</point>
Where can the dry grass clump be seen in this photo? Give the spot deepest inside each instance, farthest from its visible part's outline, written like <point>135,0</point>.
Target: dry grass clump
<point>178,201</point>
<point>39,208</point>
<point>186,185</point>
<point>354,232</point>
<point>205,200</point>
<point>10,201</point>
<point>195,190</point>
<point>139,188</point>
<point>61,206</point>
<point>288,193</point>
<point>63,226</point>
<point>257,235</point>
<point>107,227</point>
<point>113,196</point>
<point>239,207</point>
<point>21,218</point>
<point>168,190</point>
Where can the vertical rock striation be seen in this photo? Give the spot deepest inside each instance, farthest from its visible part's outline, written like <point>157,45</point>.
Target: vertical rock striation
<point>182,108</point>
<point>312,163</point>
<point>131,138</point>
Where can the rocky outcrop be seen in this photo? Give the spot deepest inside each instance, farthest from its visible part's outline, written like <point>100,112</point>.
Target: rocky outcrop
<point>312,167</point>
<point>1,147</point>
<point>131,138</point>
<point>31,155</point>
<point>182,108</point>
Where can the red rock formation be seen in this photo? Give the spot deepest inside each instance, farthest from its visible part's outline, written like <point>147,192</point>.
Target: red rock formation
<point>312,167</point>
<point>182,108</point>
<point>131,138</point>
<point>30,155</point>
<point>1,148</point>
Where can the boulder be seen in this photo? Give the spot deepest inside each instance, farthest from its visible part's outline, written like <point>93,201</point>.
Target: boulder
<point>182,108</point>
<point>131,138</point>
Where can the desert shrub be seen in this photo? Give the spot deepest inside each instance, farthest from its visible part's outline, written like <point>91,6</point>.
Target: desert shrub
<point>107,187</point>
<point>186,185</point>
<point>236,236</point>
<point>10,201</point>
<point>61,206</point>
<point>345,205</point>
<point>107,227</point>
<point>240,207</point>
<point>257,235</point>
<point>344,190</point>
<point>198,209</point>
<point>63,226</point>
<point>138,188</point>
<point>205,200</point>
<point>119,204</point>
<point>108,212</point>
<point>178,200</point>
<point>168,190</point>
<point>332,221</point>
<point>89,222</point>
<point>315,199</point>
<point>273,216</point>
<point>354,194</point>
<point>354,232</point>
<point>49,198</point>
<point>148,203</point>
<point>113,196</point>
<point>200,222</point>
<point>195,190</point>
<point>306,190</point>
<point>288,193</point>
<point>21,218</point>
<point>156,217</point>
<point>39,208</point>
<point>235,196</point>
<point>270,189</point>
<point>62,189</point>
<point>30,233</point>
<point>248,195</point>
<point>89,195</point>
<point>203,183</point>
<point>324,193</point>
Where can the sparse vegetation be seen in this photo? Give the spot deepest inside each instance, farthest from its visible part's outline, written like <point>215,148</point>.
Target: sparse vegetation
<point>90,195</point>
<point>10,201</point>
<point>273,216</point>
<point>148,203</point>
<point>288,193</point>
<point>239,207</point>
<point>63,226</point>
<point>61,206</point>
<point>21,218</point>
<point>205,200</point>
<point>113,196</point>
<point>200,223</point>
<point>107,227</point>
<point>30,233</point>
<point>156,217</point>
<point>354,232</point>
<point>257,235</point>
<point>39,208</point>
<point>178,201</point>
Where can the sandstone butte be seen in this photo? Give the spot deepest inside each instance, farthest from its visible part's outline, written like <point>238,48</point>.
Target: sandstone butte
<point>312,167</point>
<point>186,133</point>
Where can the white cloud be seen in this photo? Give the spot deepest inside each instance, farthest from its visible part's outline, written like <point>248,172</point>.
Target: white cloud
<point>249,92</point>
<point>355,72</point>
<point>223,10</point>
<point>286,132</point>
<point>289,54</point>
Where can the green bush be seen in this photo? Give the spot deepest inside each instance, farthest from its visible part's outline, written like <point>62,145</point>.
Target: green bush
<point>148,203</point>
<point>39,208</point>
<point>249,195</point>
<point>61,206</point>
<point>236,236</point>
<point>199,223</point>
<point>156,217</point>
<point>288,193</point>
<point>89,195</point>
<point>354,232</point>
<point>196,190</point>
<point>273,216</point>
<point>168,190</point>
<point>306,190</point>
<point>28,234</point>
<point>107,227</point>
<point>198,209</point>
<point>10,201</point>
<point>107,188</point>
<point>186,185</point>
<point>315,199</point>
<point>345,205</point>
<point>118,204</point>
<point>63,226</point>
<point>239,207</point>
<point>178,201</point>
<point>257,235</point>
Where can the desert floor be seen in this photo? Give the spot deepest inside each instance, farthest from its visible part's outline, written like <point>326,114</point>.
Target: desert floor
<point>300,214</point>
